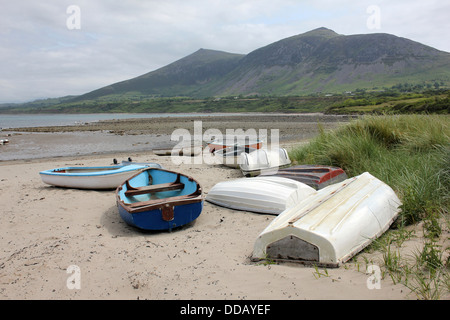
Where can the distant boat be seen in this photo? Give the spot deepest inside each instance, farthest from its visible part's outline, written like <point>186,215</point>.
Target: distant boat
<point>191,149</point>
<point>218,144</point>
<point>4,141</point>
<point>271,195</point>
<point>263,161</point>
<point>331,226</point>
<point>230,156</point>
<point>130,161</point>
<point>105,177</point>
<point>158,199</point>
<point>315,176</point>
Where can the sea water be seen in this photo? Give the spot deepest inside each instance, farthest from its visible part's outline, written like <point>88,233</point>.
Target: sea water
<point>10,121</point>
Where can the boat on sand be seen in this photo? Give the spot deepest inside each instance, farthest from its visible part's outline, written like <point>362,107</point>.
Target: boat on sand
<point>230,156</point>
<point>315,176</point>
<point>331,226</point>
<point>271,195</point>
<point>102,177</point>
<point>159,199</point>
<point>263,161</point>
<point>231,141</point>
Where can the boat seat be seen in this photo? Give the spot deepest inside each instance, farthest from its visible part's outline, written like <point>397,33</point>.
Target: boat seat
<point>133,191</point>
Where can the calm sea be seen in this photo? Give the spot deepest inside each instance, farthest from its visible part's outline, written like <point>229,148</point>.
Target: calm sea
<point>9,121</point>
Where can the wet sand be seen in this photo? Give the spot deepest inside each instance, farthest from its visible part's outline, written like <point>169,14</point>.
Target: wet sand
<point>140,135</point>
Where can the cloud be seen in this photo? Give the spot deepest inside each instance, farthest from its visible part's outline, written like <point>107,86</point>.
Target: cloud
<point>41,57</point>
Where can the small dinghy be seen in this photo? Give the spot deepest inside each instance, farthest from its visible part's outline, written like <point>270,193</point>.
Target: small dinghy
<point>176,151</point>
<point>189,149</point>
<point>263,161</point>
<point>130,161</point>
<point>232,141</point>
<point>158,199</point>
<point>270,195</point>
<point>315,176</point>
<point>331,226</point>
<point>96,178</point>
<point>230,156</point>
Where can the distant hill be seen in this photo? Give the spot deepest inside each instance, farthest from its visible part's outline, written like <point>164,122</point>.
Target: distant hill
<point>319,61</point>
<point>183,77</point>
<point>316,61</point>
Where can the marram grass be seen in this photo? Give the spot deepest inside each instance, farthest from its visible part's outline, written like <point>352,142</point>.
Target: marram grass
<point>411,153</point>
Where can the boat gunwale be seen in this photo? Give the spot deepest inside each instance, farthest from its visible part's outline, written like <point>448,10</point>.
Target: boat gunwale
<point>196,196</point>
<point>106,170</point>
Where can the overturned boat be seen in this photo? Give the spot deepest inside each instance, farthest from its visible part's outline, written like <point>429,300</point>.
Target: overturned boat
<point>230,156</point>
<point>231,141</point>
<point>263,161</point>
<point>158,199</point>
<point>331,226</point>
<point>271,195</point>
<point>316,176</point>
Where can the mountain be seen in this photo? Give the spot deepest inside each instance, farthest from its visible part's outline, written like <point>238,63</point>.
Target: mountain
<point>318,60</point>
<point>186,75</point>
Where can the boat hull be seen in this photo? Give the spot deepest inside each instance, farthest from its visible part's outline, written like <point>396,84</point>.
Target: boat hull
<point>266,161</point>
<point>331,226</point>
<point>152,219</point>
<point>315,176</point>
<point>231,156</point>
<point>95,178</point>
<point>270,195</point>
<point>220,144</point>
<point>158,199</point>
<point>185,151</point>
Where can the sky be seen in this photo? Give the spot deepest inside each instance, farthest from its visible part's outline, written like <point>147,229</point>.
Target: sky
<point>54,48</point>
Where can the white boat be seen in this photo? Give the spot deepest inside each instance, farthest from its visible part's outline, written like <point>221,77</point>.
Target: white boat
<point>230,156</point>
<point>263,161</point>
<point>270,195</point>
<point>331,226</point>
<point>106,177</point>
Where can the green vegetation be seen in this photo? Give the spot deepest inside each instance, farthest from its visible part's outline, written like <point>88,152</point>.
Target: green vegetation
<point>411,153</point>
<point>362,101</point>
<point>395,100</point>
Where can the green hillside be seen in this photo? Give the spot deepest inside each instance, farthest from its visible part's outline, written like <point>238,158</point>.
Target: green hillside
<point>316,63</point>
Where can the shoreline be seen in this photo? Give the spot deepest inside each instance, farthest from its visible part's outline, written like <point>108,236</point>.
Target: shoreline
<point>108,137</point>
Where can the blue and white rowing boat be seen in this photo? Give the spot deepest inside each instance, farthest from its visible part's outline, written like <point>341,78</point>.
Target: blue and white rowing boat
<point>159,199</point>
<point>103,177</point>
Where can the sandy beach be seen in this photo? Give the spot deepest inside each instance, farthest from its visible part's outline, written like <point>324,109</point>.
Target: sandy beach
<point>45,230</point>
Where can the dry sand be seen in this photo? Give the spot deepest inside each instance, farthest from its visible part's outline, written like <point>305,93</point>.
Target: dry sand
<point>45,230</point>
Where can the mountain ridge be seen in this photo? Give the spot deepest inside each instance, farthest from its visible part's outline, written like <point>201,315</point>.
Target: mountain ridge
<point>319,60</point>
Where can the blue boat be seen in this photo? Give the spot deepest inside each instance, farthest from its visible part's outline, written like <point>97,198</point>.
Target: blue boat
<point>159,199</point>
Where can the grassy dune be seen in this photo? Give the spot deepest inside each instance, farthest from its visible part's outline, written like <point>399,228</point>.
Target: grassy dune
<point>411,153</point>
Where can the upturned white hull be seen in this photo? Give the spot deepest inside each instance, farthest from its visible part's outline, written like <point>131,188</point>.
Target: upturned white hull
<point>332,225</point>
<point>231,156</point>
<point>263,161</point>
<point>270,195</point>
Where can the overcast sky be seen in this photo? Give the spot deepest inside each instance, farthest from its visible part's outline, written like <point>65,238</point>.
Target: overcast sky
<point>53,48</point>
